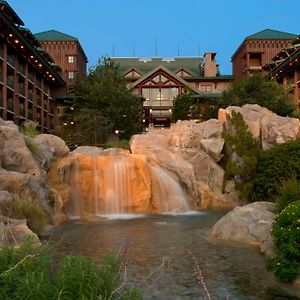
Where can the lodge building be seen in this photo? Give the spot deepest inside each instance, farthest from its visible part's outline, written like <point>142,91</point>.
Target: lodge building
<point>68,53</point>
<point>257,50</point>
<point>29,77</point>
<point>285,68</point>
<point>157,81</point>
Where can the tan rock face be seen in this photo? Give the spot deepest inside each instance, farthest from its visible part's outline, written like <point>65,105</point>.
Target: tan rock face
<point>15,156</point>
<point>13,233</point>
<point>56,145</point>
<point>249,224</point>
<point>264,125</point>
<point>117,184</point>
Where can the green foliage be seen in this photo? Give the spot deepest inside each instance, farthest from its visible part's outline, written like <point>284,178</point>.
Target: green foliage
<point>123,144</point>
<point>287,193</point>
<point>32,146</point>
<point>275,166</point>
<point>286,235</point>
<point>23,272</point>
<point>81,278</point>
<point>25,207</point>
<point>185,108</point>
<point>103,104</point>
<point>26,273</point>
<point>131,294</point>
<point>260,90</point>
<point>29,128</point>
<point>248,149</point>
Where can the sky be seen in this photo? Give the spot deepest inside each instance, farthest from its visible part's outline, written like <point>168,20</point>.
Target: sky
<point>163,28</point>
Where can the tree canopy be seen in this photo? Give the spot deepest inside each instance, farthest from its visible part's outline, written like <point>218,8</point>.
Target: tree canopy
<point>103,105</point>
<point>256,89</point>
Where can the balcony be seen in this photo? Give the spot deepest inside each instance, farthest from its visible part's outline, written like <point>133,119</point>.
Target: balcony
<point>21,69</point>
<point>45,104</point>
<point>10,82</point>
<point>31,76</point>
<point>10,59</point>
<point>30,114</point>
<point>22,90</point>
<point>10,104</point>
<point>22,111</point>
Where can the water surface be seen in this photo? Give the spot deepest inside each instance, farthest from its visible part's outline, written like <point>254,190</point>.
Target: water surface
<point>159,263</point>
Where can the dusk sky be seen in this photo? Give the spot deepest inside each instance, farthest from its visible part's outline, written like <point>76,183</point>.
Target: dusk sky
<point>166,27</point>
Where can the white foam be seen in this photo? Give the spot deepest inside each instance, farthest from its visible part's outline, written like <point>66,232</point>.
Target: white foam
<point>187,213</point>
<point>121,216</point>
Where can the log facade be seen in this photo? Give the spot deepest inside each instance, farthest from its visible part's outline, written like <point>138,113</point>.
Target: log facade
<point>257,50</point>
<point>29,79</point>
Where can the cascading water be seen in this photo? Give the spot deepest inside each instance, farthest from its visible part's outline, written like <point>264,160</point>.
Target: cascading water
<point>118,194</point>
<point>168,196</point>
<point>120,184</point>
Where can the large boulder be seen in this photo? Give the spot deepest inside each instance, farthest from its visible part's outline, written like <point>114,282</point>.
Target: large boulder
<point>87,150</point>
<point>13,232</point>
<point>54,143</point>
<point>263,124</point>
<point>250,224</point>
<point>15,155</point>
<point>278,130</point>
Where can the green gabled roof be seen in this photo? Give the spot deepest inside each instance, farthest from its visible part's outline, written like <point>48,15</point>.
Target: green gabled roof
<point>269,34</point>
<point>54,35</point>
<point>9,11</point>
<point>145,65</point>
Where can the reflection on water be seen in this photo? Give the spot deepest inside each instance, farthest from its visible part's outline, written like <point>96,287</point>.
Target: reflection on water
<point>160,265</point>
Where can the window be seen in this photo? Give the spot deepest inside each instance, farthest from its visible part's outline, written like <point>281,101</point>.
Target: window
<point>71,59</point>
<point>205,88</point>
<point>71,75</point>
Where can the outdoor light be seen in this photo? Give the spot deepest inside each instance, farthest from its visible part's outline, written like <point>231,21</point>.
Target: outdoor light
<point>72,108</point>
<point>40,65</point>
<point>72,122</point>
<point>170,110</point>
<point>150,110</point>
<point>65,123</point>
<point>22,46</point>
<point>31,56</point>
<point>116,131</point>
<point>144,120</point>
<point>10,35</point>
<point>16,41</point>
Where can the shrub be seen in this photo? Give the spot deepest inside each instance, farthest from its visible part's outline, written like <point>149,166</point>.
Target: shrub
<point>247,148</point>
<point>286,236</point>
<point>274,166</point>
<point>32,146</point>
<point>26,273</point>
<point>29,128</point>
<point>25,207</point>
<point>287,193</point>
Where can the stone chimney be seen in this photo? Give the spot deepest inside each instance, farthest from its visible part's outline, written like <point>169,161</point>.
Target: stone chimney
<point>210,67</point>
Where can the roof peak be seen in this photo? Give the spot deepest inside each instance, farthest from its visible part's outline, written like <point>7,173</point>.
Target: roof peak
<point>54,35</point>
<point>271,34</point>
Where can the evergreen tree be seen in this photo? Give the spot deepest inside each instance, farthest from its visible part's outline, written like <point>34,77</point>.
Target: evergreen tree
<point>103,104</point>
<point>247,148</point>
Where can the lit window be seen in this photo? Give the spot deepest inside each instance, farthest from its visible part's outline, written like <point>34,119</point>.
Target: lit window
<point>71,75</point>
<point>205,88</point>
<point>70,59</point>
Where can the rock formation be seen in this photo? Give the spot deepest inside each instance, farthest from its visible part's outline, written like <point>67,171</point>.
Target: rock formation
<point>250,224</point>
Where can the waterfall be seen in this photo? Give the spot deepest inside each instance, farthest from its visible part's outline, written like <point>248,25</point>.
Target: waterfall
<point>169,196</point>
<point>120,184</point>
<point>118,194</point>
